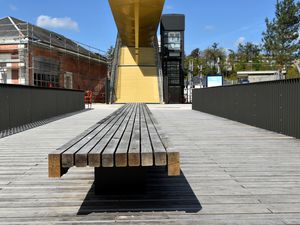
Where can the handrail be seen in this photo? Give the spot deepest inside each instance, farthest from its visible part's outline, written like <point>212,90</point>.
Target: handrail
<point>114,70</point>
<point>159,69</point>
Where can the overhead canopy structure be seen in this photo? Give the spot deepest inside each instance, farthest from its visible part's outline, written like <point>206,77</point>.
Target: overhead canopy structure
<point>137,20</point>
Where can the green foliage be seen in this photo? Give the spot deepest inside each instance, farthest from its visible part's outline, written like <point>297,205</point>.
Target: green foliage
<point>292,72</point>
<point>281,38</point>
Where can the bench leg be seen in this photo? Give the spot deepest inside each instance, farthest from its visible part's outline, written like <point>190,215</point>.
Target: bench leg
<point>173,164</point>
<point>119,180</point>
<point>55,169</point>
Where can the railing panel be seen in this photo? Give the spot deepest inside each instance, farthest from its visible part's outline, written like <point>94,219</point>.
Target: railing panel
<point>271,105</point>
<point>20,105</point>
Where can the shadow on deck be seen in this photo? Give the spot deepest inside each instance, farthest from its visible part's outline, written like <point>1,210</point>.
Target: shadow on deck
<point>159,193</point>
<point>18,129</point>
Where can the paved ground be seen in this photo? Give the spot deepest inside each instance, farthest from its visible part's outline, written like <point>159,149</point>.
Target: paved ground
<point>231,174</point>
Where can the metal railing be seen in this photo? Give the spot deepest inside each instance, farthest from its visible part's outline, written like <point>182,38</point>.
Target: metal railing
<point>114,70</point>
<point>274,105</point>
<point>159,69</point>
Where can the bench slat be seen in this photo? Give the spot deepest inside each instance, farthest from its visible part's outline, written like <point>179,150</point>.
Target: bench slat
<point>108,153</point>
<point>134,151</point>
<point>173,155</point>
<point>146,147</point>
<point>54,158</point>
<point>122,150</point>
<point>160,154</point>
<point>94,156</point>
<point>88,142</point>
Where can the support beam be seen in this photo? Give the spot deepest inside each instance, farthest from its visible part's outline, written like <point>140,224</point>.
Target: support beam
<point>137,29</point>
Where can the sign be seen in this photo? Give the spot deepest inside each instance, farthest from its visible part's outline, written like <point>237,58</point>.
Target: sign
<point>214,80</point>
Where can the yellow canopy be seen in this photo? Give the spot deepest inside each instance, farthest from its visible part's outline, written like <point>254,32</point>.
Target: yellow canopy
<point>137,20</point>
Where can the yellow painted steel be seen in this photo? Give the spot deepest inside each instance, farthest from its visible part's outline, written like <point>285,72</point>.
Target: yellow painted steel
<point>137,20</point>
<point>137,82</point>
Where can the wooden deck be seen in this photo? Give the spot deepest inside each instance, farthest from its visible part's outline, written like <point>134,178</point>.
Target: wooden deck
<point>231,174</point>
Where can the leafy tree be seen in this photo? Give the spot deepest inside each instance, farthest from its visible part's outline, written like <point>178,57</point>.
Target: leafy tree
<point>214,56</point>
<point>281,38</point>
<point>249,57</point>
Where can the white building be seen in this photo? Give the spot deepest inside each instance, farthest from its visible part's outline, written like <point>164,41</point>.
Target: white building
<point>259,76</point>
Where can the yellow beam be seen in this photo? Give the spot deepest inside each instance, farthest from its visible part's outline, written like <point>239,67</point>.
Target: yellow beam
<point>137,20</point>
<point>137,29</point>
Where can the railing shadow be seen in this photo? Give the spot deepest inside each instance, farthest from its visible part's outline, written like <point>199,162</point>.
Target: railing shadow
<point>18,129</point>
<point>160,193</point>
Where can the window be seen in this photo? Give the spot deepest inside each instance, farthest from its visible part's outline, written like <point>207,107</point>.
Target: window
<point>46,80</point>
<point>46,72</point>
<point>173,71</point>
<point>172,41</point>
<point>68,80</point>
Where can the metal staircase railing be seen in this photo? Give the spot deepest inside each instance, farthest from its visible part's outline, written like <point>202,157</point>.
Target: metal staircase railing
<point>159,69</point>
<point>114,70</point>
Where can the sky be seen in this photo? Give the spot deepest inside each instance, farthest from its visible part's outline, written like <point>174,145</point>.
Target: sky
<point>91,22</point>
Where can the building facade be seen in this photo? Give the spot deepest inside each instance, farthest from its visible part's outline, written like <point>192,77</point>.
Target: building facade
<point>30,55</point>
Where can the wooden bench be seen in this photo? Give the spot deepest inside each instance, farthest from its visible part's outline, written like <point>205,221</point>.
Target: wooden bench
<point>129,137</point>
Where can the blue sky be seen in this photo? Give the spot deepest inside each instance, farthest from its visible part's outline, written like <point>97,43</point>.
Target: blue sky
<point>225,22</point>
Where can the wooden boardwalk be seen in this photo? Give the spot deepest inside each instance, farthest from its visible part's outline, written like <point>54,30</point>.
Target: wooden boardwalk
<point>231,174</point>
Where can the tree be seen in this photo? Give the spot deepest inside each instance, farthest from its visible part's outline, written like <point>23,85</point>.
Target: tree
<point>281,38</point>
<point>249,56</point>
<point>214,57</point>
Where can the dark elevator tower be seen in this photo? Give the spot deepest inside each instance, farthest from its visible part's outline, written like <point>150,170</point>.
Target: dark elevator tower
<point>172,55</point>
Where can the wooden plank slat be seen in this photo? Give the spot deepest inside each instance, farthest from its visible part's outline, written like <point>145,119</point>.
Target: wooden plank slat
<point>81,157</point>
<point>134,151</point>
<point>94,156</point>
<point>173,155</point>
<point>55,168</point>
<point>121,159</point>
<point>146,147</point>
<point>160,154</point>
<point>107,155</point>
<point>68,157</point>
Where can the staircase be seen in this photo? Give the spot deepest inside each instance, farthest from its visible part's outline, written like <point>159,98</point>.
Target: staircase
<point>137,78</point>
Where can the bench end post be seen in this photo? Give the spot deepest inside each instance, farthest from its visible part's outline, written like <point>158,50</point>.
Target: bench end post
<point>173,164</point>
<point>55,169</point>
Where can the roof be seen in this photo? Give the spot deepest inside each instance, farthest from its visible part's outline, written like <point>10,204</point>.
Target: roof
<point>12,28</point>
<point>258,73</point>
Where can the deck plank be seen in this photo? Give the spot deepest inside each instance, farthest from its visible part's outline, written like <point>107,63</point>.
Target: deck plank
<point>240,175</point>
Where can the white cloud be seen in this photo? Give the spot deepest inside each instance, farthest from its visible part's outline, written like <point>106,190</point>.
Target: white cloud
<point>13,7</point>
<point>209,28</point>
<point>52,22</point>
<point>170,7</point>
<point>240,40</point>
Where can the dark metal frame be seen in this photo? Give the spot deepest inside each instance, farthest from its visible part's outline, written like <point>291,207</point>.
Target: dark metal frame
<point>172,23</point>
<point>274,105</point>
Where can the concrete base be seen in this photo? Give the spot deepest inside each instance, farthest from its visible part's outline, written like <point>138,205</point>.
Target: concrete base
<point>119,180</point>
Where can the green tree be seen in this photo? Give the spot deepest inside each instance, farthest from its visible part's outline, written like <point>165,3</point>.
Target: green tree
<point>214,57</point>
<point>281,38</point>
<point>249,57</point>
